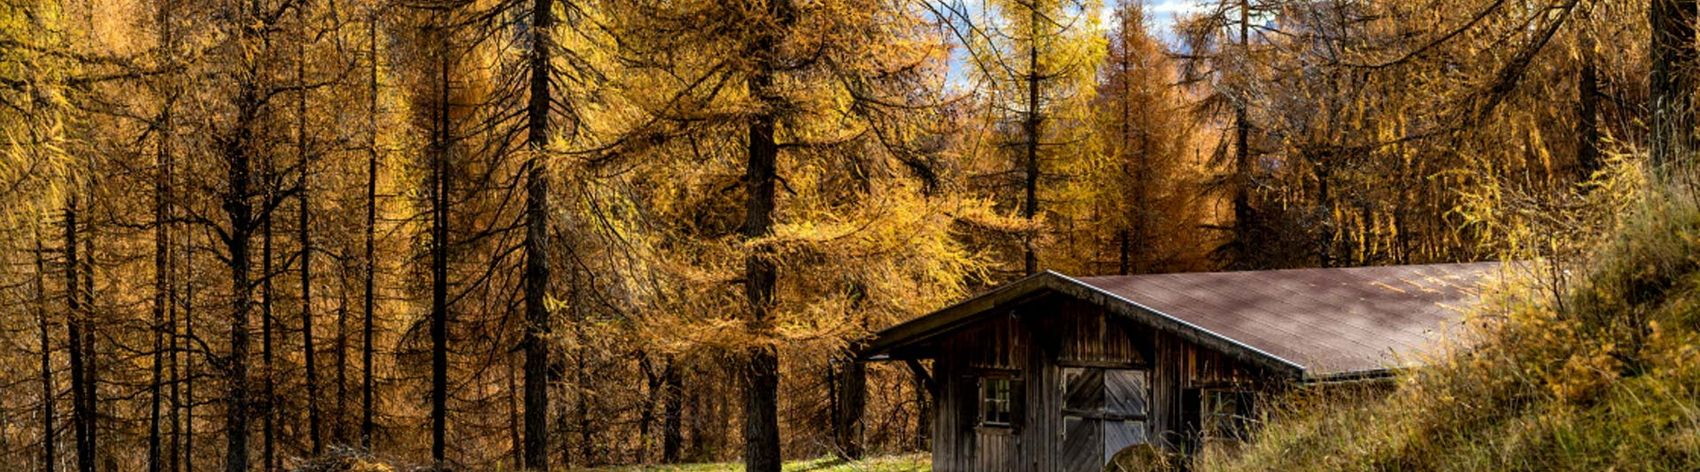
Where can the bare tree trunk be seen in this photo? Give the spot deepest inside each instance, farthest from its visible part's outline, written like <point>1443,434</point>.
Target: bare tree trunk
<point>672,413</point>
<point>852,381</point>
<point>536,241</point>
<point>1030,126</point>
<point>190,372</point>
<point>439,260</point>
<point>1587,99</point>
<point>76,322</point>
<point>162,261</point>
<point>1243,213</point>
<point>761,375</point>
<point>269,413</point>
<point>91,356</point>
<point>367,424</point>
<point>240,212</point>
<point>339,418</point>
<point>48,393</point>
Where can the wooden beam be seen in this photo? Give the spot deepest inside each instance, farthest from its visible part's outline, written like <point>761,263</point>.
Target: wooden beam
<point>926,378</point>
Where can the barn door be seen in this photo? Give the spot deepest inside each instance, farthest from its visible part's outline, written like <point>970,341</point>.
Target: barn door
<point>1103,411</point>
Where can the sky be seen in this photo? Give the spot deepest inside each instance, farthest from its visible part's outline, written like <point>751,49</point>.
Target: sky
<point>1160,17</point>
<point>1160,14</point>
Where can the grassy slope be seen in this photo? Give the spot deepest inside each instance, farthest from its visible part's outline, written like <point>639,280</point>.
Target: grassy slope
<point>904,463</point>
<point>1605,376</point>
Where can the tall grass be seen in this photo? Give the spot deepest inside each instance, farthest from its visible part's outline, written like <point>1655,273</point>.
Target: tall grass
<point>1591,363</point>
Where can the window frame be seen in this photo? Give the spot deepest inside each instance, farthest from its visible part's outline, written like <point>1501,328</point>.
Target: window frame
<point>983,400</point>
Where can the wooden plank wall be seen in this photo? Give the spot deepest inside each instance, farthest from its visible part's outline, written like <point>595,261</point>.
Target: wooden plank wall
<point>1032,343</point>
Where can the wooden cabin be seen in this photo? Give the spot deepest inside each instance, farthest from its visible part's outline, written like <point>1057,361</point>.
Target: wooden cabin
<point>1053,372</point>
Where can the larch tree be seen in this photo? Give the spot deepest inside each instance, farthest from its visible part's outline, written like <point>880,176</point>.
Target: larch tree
<point>1032,65</point>
<point>794,146</point>
<point>1149,213</point>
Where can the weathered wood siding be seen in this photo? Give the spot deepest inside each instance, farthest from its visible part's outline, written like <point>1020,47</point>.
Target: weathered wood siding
<point>1033,343</point>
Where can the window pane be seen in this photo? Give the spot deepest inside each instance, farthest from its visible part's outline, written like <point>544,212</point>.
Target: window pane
<point>995,401</point>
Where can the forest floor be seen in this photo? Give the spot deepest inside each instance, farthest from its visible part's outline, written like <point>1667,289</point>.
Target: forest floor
<point>919,462</point>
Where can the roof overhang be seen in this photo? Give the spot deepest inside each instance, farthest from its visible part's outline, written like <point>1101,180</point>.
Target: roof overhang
<point>934,325</point>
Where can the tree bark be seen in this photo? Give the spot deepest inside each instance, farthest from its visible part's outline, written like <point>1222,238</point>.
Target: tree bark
<point>269,412</point>
<point>48,392</point>
<point>672,415</point>
<point>761,375</point>
<point>367,382</point>
<point>536,241</point>
<point>1030,125</point>
<point>1243,213</point>
<point>1587,100</point>
<point>439,259</point>
<point>162,261</point>
<point>852,381</point>
<point>76,322</point>
<point>189,368</point>
<point>240,212</point>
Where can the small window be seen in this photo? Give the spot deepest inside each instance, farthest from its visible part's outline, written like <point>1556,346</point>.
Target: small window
<point>996,401</point>
<point>1228,414</point>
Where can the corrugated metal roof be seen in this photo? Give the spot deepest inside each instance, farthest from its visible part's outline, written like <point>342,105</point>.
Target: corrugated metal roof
<point>1329,322</point>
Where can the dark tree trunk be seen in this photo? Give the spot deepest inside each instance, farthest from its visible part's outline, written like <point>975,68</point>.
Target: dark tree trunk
<point>1672,82</point>
<point>851,399</point>
<point>536,242</point>
<point>91,356</point>
<point>240,212</point>
<point>270,407</point>
<point>672,408</point>
<point>1031,124</point>
<point>440,146</point>
<point>1243,213</point>
<point>761,375</point>
<point>1587,100</point>
<point>161,264</point>
<point>190,372</point>
<point>76,329</point>
<point>366,325</point>
<point>48,393</point>
<point>339,418</point>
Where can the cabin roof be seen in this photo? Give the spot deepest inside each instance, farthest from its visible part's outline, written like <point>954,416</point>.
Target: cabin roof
<point>1317,324</point>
